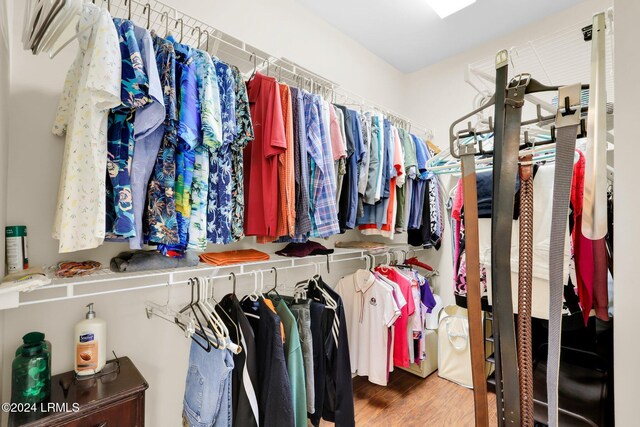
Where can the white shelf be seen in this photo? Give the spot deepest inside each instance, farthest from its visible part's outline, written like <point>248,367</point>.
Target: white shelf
<point>106,282</point>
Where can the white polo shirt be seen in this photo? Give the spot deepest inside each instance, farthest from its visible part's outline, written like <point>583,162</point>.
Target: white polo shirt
<point>370,310</point>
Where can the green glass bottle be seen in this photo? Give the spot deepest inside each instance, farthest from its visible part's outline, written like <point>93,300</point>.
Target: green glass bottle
<point>31,374</point>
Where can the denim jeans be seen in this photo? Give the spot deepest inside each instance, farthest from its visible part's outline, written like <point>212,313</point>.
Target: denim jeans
<point>207,395</point>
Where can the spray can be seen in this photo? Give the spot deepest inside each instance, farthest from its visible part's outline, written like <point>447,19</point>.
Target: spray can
<point>16,248</point>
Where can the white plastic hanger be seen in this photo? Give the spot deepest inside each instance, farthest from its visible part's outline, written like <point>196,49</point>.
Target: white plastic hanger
<point>80,31</point>
<point>59,25</point>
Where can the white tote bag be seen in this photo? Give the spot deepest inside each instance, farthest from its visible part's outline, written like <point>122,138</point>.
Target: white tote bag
<point>454,350</point>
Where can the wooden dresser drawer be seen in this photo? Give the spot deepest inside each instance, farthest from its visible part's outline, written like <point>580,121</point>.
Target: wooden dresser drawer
<point>122,414</point>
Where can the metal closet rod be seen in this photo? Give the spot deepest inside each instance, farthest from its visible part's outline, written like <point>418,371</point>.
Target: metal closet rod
<point>192,25</point>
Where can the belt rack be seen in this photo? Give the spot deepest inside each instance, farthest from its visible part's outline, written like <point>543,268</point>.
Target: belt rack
<point>509,99</point>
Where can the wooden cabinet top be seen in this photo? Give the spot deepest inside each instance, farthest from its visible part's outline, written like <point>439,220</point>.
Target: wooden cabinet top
<point>90,394</point>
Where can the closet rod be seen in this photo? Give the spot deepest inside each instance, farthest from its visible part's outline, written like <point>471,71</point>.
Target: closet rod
<point>156,9</point>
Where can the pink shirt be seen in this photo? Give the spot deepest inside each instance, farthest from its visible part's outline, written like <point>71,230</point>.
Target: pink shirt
<point>337,142</point>
<point>401,341</point>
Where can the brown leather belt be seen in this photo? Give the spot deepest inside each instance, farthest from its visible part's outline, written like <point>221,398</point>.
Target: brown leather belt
<point>525,288</point>
<point>474,307</point>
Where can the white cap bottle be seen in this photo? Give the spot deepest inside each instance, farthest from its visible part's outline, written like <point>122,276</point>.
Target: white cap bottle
<point>91,344</point>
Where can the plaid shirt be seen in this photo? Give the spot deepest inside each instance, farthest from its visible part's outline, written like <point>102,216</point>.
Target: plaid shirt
<point>322,202</point>
<point>301,167</point>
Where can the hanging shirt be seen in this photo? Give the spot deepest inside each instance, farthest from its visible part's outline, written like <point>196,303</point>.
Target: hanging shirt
<point>322,198</point>
<point>209,141</point>
<point>401,343</point>
<point>244,134</point>
<point>260,156</point>
<point>341,147</point>
<point>355,165</point>
<point>189,137</point>
<point>295,366</point>
<point>301,168</point>
<point>370,311</point>
<point>220,207</point>
<point>244,377</point>
<point>286,180</point>
<point>147,141</point>
<point>363,169</point>
<point>274,395</point>
<point>91,89</point>
<point>372,173</point>
<point>162,224</point>
<point>344,203</point>
<point>134,94</point>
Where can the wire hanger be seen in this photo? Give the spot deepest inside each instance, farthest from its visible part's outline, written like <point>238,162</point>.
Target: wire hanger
<point>255,64</point>
<point>165,17</point>
<point>193,30</point>
<point>206,40</point>
<point>147,10</point>
<point>129,3</point>
<point>232,275</point>
<point>181,22</point>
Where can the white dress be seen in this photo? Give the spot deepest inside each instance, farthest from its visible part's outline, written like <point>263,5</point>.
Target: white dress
<point>91,89</point>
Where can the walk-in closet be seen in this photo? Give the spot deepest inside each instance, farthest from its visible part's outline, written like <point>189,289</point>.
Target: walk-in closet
<point>288,213</point>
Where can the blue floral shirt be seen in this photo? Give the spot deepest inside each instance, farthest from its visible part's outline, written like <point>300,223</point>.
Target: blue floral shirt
<point>162,224</point>
<point>220,208</point>
<point>120,138</point>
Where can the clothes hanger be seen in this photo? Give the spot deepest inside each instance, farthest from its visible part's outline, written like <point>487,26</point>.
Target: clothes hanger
<point>255,65</point>
<point>42,18</point>
<point>216,332</point>
<point>58,25</point>
<point>147,10</point>
<point>181,22</point>
<point>206,40</point>
<point>165,17</point>
<point>80,31</point>
<point>193,30</point>
<point>232,275</point>
<point>199,332</point>
<point>129,3</point>
<point>224,337</point>
<point>275,284</point>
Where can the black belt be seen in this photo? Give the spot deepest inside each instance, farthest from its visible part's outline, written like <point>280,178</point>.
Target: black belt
<point>505,169</point>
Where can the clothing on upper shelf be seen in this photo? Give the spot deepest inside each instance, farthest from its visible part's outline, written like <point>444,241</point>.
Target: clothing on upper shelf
<point>233,257</point>
<point>307,248</point>
<point>194,155</point>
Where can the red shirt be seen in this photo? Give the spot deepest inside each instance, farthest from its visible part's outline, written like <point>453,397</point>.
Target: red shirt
<point>401,340</point>
<point>260,157</point>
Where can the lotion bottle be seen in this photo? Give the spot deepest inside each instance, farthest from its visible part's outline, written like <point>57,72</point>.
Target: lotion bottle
<point>91,344</point>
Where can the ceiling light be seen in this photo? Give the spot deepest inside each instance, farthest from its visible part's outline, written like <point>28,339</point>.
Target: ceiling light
<point>445,8</point>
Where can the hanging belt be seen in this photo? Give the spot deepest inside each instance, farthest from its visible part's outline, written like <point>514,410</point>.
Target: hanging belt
<point>594,210</point>
<point>474,306</point>
<point>502,68</point>
<point>567,122</point>
<point>525,277</point>
<point>505,168</point>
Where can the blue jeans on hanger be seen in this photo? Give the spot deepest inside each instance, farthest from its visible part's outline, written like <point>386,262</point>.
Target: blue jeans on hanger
<point>207,395</point>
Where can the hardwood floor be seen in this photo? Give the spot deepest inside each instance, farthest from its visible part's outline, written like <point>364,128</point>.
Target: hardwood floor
<point>410,401</point>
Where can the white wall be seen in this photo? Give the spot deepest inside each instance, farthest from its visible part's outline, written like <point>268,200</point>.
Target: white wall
<point>627,293</point>
<point>438,95</point>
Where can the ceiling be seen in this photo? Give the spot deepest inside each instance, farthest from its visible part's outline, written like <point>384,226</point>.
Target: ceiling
<point>409,35</point>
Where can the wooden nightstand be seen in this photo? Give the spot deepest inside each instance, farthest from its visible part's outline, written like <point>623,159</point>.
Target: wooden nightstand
<point>113,400</point>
